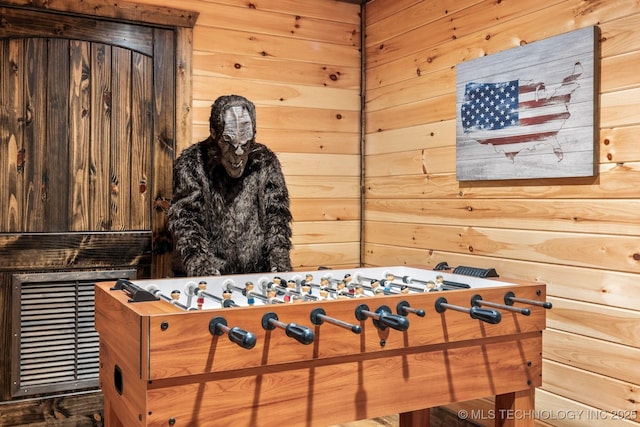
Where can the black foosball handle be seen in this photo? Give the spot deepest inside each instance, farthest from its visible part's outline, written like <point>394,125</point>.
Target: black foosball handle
<point>245,339</point>
<point>383,318</point>
<point>486,315</point>
<point>300,333</point>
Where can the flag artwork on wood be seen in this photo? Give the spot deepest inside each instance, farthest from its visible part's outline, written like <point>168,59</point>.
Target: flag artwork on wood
<point>528,112</point>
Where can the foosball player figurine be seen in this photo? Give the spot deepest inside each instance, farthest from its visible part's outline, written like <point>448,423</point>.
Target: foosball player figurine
<point>375,285</point>
<point>431,286</point>
<point>390,277</point>
<point>226,296</point>
<point>202,286</point>
<point>359,291</point>
<point>404,289</point>
<point>308,277</point>
<point>347,279</point>
<point>271,296</point>
<point>324,293</point>
<point>248,292</point>
<point>439,282</point>
<point>379,292</point>
<point>306,288</point>
<point>175,294</point>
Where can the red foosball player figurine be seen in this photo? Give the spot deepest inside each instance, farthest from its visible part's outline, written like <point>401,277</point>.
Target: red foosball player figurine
<point>202,286</point>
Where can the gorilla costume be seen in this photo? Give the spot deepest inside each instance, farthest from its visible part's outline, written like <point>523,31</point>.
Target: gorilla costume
<point>230,209</point>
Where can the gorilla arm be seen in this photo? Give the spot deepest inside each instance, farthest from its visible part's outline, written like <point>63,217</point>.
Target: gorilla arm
<point>277,219</point>
<point>187,218</point>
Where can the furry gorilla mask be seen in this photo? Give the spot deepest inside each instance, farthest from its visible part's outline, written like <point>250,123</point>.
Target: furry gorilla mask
<point>233,128</point>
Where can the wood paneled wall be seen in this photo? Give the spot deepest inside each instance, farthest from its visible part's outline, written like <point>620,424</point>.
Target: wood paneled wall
<point>299,62</point>
<point>580,236</point>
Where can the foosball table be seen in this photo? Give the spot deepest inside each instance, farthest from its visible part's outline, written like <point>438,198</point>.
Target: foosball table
<point>317,348</point>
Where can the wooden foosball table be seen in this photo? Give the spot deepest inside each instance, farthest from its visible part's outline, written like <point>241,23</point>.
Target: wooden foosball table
<point>317,348</point>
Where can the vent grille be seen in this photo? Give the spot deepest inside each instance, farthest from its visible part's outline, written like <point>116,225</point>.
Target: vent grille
<point>56,342</point>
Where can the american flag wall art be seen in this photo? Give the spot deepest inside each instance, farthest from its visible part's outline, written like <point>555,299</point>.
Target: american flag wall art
<point>528,112</point>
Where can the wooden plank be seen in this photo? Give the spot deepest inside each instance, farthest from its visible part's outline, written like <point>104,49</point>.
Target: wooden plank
<point>436,83</point>
<point>310,141</point>
<point>329,186</point>
<point>25,23</point>
<point>141,142</point>
<point>79,143</point>
<point>74,250</point>
<point>330,11</point>
<point>164,145</point>
<point>617,108</point>
<point>318,232</point>
<point>237,66</point>
<point>619,144</point>
<point>425,161</point>
<point>35,135</point>
<point>613,395</point>
<point>252,44</point>
<point>325,209</point>
<point>81,409</point>
<point>121,141</point>
<point>614,181</point>
<point>297,25</point>
<point>279,94</point>
<point>101,106</point>
<point>409,15</point>
<point>590,354</point>
<point>584,216</point>
<point>619,72</point>
<point>417,113</point>
<point>287,118</point>
<point>582,415</point>
<point>296,164</point>
<point>184,89</point>
<point>588,250</point>
<point>430,135</point>
<point>606,287</point>
<point>328,255</point>
<point>123,10</point>
<point>476,18</point>
<point>56,174</point>
<point>595,321</point>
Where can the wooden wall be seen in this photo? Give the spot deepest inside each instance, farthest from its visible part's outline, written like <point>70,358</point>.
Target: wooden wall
<point>299,62</point>
<point>580,236</point>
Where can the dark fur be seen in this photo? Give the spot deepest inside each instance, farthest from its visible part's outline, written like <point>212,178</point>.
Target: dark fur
<point>222,225</point>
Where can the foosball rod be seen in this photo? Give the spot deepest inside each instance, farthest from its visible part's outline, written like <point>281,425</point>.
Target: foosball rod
<point>230,285</point>
<point>484,314</point>
<point>358,277</point>
<point>319,316</point>
<point>193,289</point>
<point>158,293</point>
<point>510,298</point>
<point>477,301</point>
<point>300,333</point>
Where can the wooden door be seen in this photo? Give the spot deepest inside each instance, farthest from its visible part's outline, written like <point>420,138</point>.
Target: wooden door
<point>87,141</point>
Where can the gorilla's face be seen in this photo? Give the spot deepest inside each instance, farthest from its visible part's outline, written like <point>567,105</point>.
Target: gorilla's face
<point>236,140</point>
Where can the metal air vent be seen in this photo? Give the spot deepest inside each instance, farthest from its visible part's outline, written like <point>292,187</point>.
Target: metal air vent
<point>55,344</point>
